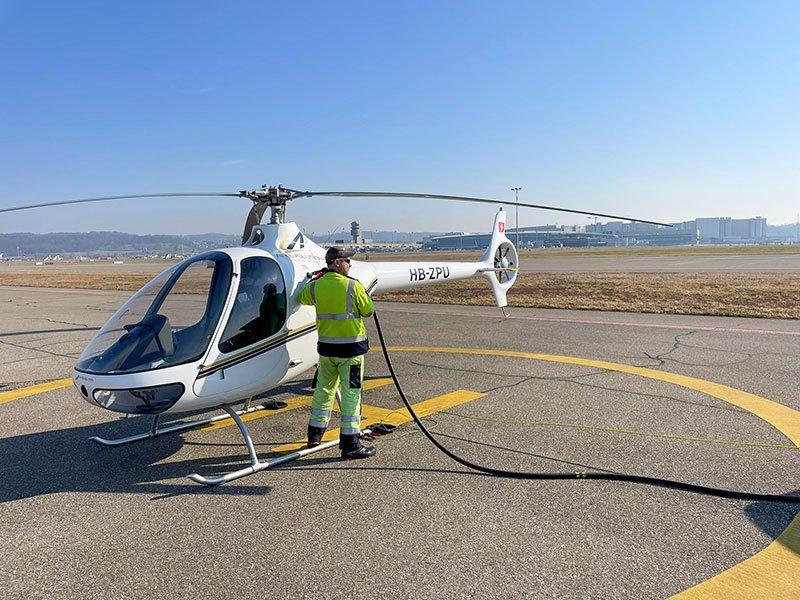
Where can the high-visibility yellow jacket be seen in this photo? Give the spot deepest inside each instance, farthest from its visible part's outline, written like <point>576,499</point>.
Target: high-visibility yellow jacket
<point>340,302</point>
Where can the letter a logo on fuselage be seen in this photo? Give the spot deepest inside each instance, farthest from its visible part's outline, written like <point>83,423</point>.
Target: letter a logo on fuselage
<point>298,243</point>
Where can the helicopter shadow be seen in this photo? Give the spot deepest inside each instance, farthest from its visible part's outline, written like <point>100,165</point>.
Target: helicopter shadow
<point>64,460</point>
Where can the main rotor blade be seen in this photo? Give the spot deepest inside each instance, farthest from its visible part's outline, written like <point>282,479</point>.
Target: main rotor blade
<point>298,194</point>
<point>103,198</point>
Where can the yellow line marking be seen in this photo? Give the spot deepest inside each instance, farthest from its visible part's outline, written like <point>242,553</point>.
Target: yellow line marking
<point>48,386</point>
<point>772,573</point>
<point>373,414</point>
<point>291,404</point>
<point>651,434</point>
<point>371,384</point>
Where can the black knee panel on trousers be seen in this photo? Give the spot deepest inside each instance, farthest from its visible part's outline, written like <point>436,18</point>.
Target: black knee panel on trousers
<point>355,376</point>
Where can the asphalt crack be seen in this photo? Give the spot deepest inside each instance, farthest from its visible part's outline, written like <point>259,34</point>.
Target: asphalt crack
<point>55,322</point>
<point>663,358</point>
<point>71,356</point>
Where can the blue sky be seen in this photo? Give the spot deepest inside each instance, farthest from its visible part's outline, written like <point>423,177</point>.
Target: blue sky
<point>664,111</point>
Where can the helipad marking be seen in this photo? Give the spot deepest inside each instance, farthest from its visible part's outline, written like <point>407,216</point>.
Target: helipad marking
<point>373,414</point>
<point>32,390</point>
<point>291,404</point>
<point>772,573</point>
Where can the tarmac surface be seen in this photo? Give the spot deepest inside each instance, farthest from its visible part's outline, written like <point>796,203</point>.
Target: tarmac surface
<point>79,520</point>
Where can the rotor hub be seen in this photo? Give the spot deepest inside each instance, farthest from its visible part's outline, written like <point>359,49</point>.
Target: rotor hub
<point>273,196</point>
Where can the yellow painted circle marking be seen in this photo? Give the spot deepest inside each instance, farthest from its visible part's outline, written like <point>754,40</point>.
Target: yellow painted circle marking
<point>774,572</point>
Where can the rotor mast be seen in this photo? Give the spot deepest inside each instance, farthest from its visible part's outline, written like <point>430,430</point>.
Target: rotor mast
<point>273,197</point>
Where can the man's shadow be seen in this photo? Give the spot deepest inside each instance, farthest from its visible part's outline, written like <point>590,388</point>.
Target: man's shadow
<point>65,460</point>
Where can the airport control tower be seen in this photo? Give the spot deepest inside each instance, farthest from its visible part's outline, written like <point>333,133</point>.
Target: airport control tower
<point>355,231</point>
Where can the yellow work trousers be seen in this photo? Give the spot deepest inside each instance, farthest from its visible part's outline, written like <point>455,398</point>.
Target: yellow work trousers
<point>347,374</point>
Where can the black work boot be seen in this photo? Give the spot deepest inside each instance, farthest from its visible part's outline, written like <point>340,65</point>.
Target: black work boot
<point>315,436</point>
<point>352,447</point>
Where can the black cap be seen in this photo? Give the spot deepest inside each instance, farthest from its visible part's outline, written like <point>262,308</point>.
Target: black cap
<point>333,253</point>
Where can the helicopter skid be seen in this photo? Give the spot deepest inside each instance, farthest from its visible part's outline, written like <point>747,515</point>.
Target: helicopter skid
<point>255,464</point>
<point>155,431</point>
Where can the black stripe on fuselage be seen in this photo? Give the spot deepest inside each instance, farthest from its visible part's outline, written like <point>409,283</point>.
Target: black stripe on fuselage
<point>205,371</point>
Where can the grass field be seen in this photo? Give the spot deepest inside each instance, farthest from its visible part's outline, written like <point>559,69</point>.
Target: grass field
<point>561,253</point>
<point>82,281</point>
<point>723,294</point>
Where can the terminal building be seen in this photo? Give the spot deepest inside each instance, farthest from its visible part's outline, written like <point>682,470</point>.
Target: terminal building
<point>714,230</point>
<point>722,230</point>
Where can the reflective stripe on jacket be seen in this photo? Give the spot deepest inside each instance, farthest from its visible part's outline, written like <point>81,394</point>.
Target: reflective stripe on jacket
<point>340,302</point>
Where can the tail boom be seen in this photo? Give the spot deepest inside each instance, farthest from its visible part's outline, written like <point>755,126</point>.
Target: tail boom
<point>403,275</point>
<point>498,265</point>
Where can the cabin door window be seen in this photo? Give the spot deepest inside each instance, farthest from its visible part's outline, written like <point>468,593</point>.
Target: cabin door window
<point>259,311</point>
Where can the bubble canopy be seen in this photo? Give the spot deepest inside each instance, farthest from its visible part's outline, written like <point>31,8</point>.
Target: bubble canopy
<point>169,322</point>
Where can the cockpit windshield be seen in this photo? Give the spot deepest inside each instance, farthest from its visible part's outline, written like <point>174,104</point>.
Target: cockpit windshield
<point>170,321</point>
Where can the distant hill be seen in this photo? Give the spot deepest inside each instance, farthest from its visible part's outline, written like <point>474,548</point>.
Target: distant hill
<point>110,243</point>
<point>787,230</point>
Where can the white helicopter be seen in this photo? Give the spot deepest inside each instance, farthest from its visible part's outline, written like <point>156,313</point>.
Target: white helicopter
<point>225,326</point>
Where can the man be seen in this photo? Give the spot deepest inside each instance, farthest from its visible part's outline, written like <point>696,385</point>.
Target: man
<point>340,301</point>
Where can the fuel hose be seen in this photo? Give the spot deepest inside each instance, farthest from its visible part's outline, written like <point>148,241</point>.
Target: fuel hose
<point>641,479</point>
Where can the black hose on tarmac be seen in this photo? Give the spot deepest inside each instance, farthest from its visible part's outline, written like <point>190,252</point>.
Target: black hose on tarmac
<point>655,481</point>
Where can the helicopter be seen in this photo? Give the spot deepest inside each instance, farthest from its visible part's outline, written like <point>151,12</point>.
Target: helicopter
<point>224,326</point>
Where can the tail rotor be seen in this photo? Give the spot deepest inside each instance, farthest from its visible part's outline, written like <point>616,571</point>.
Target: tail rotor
<point>501,261</point>
<point>505,259</point>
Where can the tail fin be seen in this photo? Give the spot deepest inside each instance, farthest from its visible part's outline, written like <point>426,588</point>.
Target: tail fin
<point>500,260</point>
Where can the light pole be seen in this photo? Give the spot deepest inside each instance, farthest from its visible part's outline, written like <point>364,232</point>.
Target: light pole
<point>516,199</point>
